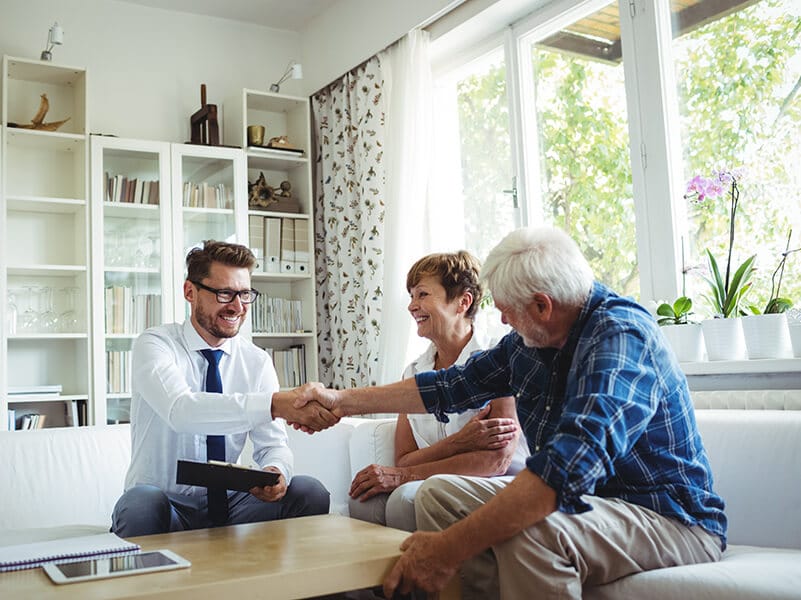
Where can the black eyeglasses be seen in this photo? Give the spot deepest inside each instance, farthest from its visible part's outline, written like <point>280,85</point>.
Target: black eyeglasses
<point>227,296</point>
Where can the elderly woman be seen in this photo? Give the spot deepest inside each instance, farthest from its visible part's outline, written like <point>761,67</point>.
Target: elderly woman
<point>445,293</point>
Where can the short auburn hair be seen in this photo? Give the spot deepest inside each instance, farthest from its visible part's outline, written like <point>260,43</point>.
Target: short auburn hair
<point>458,272</point>
<point>198,260</point>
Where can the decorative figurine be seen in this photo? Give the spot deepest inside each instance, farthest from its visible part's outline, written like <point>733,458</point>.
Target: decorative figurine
<point>203,123</point>
<point>37,122</point>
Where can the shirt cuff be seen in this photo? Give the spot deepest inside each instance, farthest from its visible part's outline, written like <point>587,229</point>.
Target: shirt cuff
<point>556,478</point>
<point>258,408</point>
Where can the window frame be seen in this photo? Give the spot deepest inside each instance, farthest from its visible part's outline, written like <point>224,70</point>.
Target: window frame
<point>654,134</point>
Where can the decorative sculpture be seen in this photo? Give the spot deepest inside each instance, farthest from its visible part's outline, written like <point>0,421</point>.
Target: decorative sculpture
<point>203,123</point>
<point>37,122</point>
<point>262,196</point>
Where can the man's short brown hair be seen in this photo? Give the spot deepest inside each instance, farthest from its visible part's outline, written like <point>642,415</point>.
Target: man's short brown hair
<point>198,261</point>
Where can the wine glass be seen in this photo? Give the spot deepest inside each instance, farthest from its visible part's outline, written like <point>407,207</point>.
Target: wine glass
<point>48,319</point>
<point>154,259</point>
<point>68,320</point>
<point>30,317</point>
<point>11,314</point>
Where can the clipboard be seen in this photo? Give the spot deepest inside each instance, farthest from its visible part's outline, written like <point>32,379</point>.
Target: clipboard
<point>215,474</point>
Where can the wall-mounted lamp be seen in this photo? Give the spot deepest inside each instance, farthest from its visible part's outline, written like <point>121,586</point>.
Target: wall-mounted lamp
<point>55,37</point>
<point>294,70</point>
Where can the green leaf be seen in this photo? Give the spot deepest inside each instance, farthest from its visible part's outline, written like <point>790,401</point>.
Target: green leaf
<point>682,306</point>
<point>778,305</point>
<point>665,310</point>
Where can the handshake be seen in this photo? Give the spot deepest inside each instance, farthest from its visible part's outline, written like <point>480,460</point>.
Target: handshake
<point>310,407</point>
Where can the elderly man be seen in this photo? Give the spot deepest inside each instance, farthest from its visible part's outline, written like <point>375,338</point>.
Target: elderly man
<point>618,481</point>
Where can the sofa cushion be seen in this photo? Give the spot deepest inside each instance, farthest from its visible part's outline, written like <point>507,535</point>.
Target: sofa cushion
<point>744,573</point>
<point>373,442</point>
<point>324,455</point>
<point>62,476</point>
<point>754,457</point>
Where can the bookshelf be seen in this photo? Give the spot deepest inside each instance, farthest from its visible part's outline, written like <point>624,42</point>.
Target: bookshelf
<point>151,202</point>
<point>280,234</point>
<point>132,277</point>
<point>44,239</point>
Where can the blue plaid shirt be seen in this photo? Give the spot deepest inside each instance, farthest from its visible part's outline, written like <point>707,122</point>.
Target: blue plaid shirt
<point>609,414</point>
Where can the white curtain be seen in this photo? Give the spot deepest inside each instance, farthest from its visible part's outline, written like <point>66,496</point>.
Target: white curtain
<point>408,92</point>
<point>373,145</point>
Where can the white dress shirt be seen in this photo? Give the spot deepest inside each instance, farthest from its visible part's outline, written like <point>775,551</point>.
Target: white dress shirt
<point>427,430</point>
<point>171,414</point>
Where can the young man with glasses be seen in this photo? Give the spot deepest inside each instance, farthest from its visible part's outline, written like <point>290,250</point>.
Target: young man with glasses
<point>199,389</point>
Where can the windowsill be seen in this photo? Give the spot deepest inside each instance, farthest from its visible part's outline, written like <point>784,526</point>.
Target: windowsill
<point>724,367</point>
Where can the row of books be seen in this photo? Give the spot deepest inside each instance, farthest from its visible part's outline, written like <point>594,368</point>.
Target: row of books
<point>277,315</point>
<point>281,244</point>
<point>26,421</point>
<point>118,371</point>
<point>127,312</point>
<point>204,195</point>
<point>74,415</point>
<point>119,188</point>
<point>290,365</point>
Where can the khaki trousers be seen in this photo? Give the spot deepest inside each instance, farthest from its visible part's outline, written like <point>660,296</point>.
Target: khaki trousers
<point>562,553</point>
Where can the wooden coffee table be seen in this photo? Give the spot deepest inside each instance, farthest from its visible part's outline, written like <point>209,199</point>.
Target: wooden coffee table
<point>293,558</point>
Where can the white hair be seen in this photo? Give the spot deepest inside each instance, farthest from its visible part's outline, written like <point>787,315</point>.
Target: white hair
<point>534,260</point>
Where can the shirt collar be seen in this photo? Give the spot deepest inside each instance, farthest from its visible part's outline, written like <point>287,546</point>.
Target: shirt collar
<point>196,343</point>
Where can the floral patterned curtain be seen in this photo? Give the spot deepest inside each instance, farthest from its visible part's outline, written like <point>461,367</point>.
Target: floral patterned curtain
<point>349,224</point>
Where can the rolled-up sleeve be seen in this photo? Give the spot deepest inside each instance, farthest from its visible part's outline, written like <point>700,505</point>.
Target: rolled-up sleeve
<point>456,389</point>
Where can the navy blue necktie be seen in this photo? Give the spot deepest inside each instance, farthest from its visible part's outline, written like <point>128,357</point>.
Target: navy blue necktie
<point>215,444</point>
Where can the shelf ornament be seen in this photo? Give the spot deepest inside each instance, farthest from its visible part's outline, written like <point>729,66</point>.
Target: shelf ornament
<point>37,122</point>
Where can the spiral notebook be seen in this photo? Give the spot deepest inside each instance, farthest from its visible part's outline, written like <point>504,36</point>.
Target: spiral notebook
<point>35,554</point>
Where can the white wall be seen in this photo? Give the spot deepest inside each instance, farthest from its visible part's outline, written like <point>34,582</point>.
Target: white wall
<point>351,31</point>
<point>146,65</point>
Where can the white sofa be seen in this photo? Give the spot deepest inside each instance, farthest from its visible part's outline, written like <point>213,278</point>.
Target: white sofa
<point>66,481</point>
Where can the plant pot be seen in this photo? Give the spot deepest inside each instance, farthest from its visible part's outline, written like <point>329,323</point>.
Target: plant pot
<point>795,338</point>
<point>767,336</point>
<point>724,339</point>
<point>686,340</point>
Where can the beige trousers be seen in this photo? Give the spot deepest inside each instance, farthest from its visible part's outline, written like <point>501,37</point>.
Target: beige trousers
<point>562,553</point>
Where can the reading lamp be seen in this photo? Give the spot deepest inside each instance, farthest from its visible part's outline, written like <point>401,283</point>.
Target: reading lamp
<point>54,38</point>
<point>294,70</point>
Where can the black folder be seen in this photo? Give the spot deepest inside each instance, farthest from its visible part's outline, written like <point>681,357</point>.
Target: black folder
<point>223,475</point>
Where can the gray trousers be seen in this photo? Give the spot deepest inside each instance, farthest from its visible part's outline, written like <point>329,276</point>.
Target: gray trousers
<point>146,509</point>
<point>562,553</point>
<point>395,509</point>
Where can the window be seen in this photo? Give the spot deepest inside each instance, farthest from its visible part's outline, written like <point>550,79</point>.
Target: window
<point>614,106</point>
<point>738,79</point>
<point>475,179</point>
<point>581,145</point>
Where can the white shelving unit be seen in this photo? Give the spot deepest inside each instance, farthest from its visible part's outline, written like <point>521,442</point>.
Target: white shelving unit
<point>44,259</point>
<point>290,279</point>
<point>132,268</point>
<point>140,245</point>
<point>209,201</point>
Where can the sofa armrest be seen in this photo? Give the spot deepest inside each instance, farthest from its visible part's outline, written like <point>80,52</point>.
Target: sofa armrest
<point>62,476</point>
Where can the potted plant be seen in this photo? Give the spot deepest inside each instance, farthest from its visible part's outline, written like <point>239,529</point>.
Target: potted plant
<point>767,334</point>
<point>723,334</point>
<point>685,337</point>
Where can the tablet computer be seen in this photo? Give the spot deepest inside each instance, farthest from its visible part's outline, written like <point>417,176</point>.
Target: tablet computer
<point>223,475</point>
<point>115,566</point>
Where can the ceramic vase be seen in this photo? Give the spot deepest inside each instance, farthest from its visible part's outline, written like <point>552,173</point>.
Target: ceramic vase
<point>686,340</point>
<point>767,336</point>
<point>724,339</point>
<point>795,338</point>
